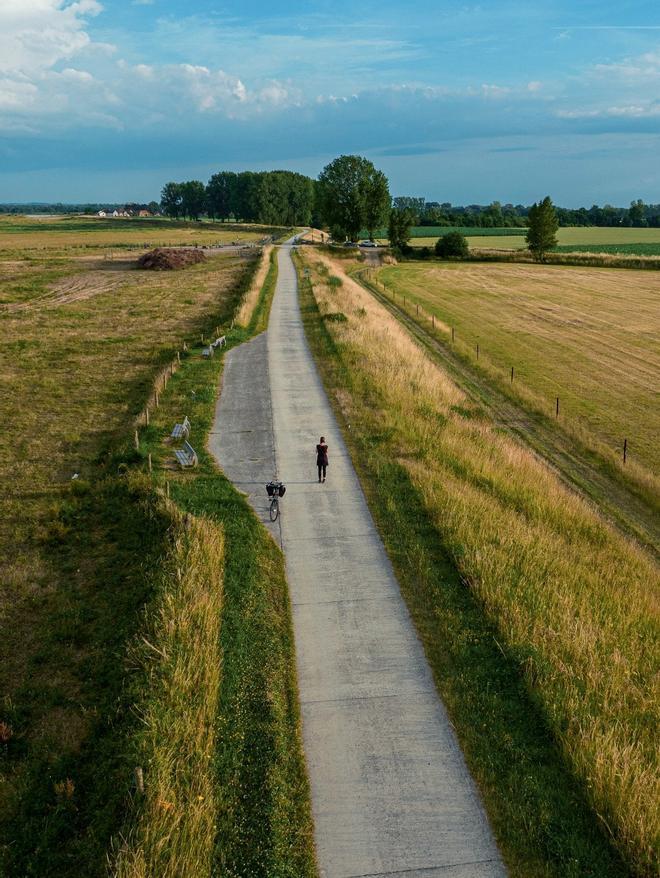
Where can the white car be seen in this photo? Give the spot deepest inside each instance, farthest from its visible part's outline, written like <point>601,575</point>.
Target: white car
<point>367,244</point>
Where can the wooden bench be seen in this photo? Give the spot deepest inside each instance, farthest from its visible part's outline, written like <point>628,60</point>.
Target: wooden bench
<point>219,342</point>
<point>209,351</point>
<point>187,456</point>
<point>181,431</point>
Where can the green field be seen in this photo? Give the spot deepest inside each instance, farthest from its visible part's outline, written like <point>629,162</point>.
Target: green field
<point>587,239</point>
<point>588,336</point>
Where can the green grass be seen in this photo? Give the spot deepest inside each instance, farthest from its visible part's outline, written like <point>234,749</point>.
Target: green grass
<point>515,587</point>
<point>583,239</point>
<point>639,249</point>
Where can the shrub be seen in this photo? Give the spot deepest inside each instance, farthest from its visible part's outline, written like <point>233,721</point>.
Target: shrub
<point>452,246</point>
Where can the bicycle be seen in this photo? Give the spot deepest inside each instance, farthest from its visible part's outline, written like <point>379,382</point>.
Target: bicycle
<point>275,490</point>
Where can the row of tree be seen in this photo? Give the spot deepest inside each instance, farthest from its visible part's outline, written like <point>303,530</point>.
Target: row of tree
<point>497,215</point>
<point>277,198</point>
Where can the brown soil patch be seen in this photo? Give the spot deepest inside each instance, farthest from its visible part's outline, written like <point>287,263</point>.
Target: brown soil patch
<point>165,259</point>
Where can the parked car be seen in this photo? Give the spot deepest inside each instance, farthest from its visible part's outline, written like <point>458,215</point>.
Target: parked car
<point>367,244</point>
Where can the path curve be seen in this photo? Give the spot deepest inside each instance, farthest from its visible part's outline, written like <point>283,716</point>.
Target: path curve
<point>390,791</point>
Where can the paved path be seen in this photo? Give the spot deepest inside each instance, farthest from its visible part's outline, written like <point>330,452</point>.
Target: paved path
<point>390,792</point>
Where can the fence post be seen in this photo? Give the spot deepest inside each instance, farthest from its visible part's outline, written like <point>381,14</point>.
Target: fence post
<point>136,441</point>
<point>146,416</point>
<point>156,399</point>
<point>625,450</point>
<point>149,461</point>
<point>512,374</point>
<point>557,408</point>
<point>452,334</point>
<point>178,357</point>
<point>433,320</point>
<point>417,306</point>
<point>477,350</point>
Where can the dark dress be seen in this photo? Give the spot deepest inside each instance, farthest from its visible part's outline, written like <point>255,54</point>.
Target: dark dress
<point>321,459</point>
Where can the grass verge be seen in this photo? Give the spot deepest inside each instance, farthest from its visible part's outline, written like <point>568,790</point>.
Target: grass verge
<point>179,661</point>
<point>516,588</point>
<point>263,822</point>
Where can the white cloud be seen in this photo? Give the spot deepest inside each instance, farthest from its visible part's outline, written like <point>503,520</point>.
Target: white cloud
<point>495,91</point>
<point>36,34</point>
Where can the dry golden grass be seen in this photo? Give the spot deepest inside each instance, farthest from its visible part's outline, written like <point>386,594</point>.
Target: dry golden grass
<point>569,596</point>
<point>251,298</point>
<point>180,660</point>
<point>589,336</point>
<point>33,235</point>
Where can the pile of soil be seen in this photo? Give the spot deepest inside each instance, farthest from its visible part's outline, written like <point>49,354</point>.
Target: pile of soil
<point>168,259</point>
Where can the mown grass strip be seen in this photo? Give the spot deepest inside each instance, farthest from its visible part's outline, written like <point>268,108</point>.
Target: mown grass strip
<point>515,587</point>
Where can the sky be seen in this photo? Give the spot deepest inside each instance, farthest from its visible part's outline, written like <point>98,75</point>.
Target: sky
<point>509,100</point>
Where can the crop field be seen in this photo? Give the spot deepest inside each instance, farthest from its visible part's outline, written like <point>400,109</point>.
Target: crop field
<point>82,544</point>
<point>587,239</point>
<point>539,620</point>
<point>25,235</point>
<point>587,336</point>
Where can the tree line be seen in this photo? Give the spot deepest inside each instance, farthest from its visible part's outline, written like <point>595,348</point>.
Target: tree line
<point>276,198</point>
<point>498,215</point>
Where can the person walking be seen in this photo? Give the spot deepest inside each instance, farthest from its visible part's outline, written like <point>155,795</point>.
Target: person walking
<point>322,458</point>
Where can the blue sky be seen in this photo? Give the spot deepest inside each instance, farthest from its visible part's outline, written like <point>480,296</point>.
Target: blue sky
<point>460,102</point>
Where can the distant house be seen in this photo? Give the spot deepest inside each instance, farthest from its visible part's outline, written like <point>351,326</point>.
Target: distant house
<point>102,213</point>
<point>144,213</point>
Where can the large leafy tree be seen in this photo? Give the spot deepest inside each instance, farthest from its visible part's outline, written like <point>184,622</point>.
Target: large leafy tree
<point>542,231</point>
<point>171,200</point>
<point>398,230</point>
<point>351,195</point>
<point>193,199</point>
<point>221,194</point>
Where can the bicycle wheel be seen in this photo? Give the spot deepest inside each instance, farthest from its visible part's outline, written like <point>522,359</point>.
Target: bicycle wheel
<point>274,509</point>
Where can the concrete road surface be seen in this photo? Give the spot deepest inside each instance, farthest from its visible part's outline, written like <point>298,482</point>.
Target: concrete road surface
<point>391,795</point>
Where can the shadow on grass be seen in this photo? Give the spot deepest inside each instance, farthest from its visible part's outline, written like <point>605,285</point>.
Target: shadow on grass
<point>78,684</point>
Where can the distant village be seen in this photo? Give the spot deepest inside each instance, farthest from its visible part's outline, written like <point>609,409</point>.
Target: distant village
<point>128,211</point>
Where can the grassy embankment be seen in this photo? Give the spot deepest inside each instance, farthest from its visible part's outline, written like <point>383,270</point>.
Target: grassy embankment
<point>83,559</point>
<point>539,621</point>
<point>261,818</point>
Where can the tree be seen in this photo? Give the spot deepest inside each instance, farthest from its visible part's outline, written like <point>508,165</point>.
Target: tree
<point>351,194</point>
<point>170,200</point>
<point>221,194</point>
<point>398,230</point>
<point>542,231</point>
<point>193,199</point>
<point>636,214</point>
<point>453,245</point>
<point>377,201</point>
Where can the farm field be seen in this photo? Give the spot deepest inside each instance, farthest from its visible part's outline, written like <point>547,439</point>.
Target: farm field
<point>82,544</point>
<point>643,242</point>
<point>587,336</point>
<point>515,585</point>
<point>23,235</point>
